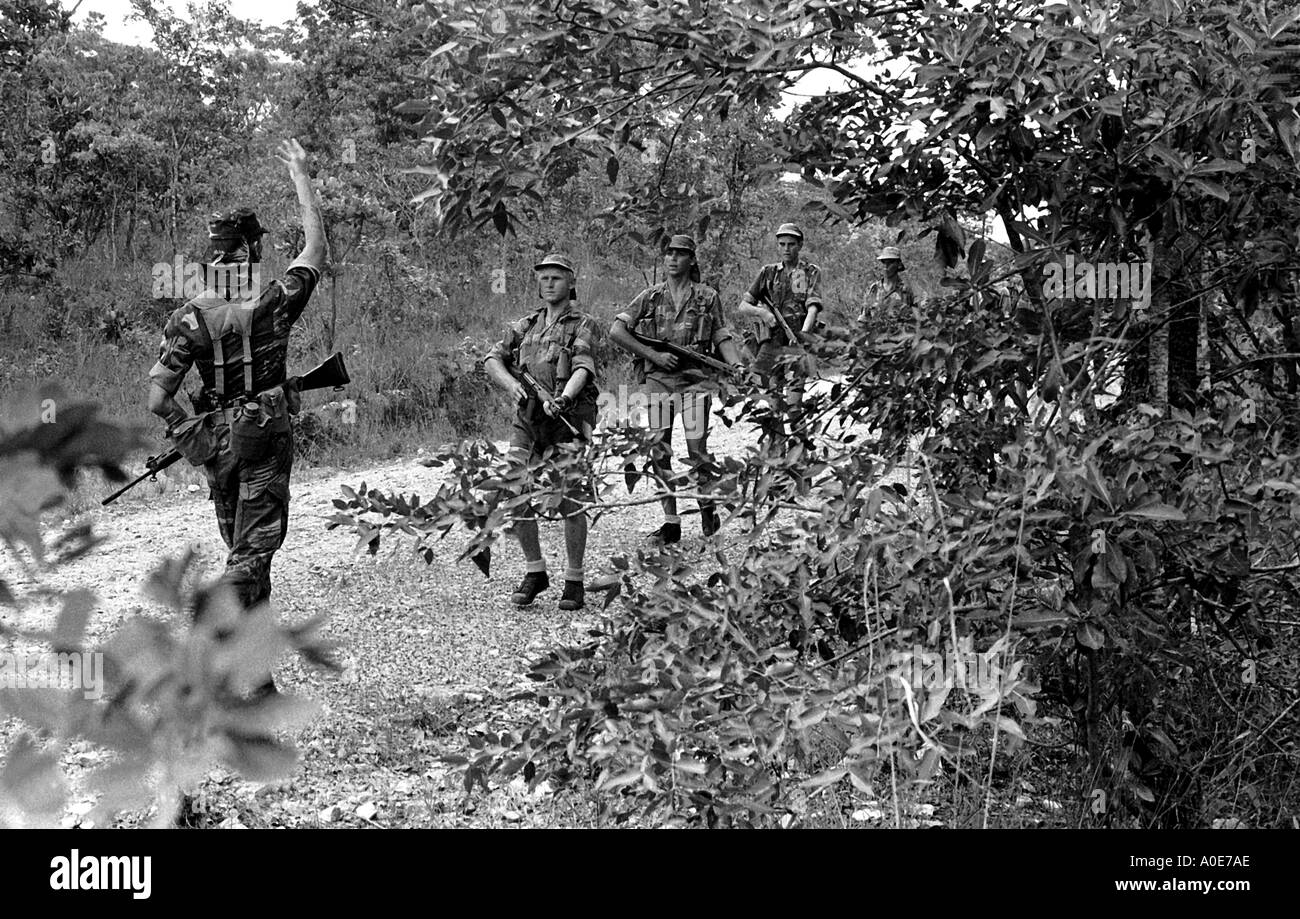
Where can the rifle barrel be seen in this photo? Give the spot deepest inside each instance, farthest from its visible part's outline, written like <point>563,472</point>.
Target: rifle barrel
<point>152,467</point>
<point>125,488</point>
<point>545,395</point>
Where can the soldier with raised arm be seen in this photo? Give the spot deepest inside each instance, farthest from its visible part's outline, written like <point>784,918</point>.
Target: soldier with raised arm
<point>240,431</point>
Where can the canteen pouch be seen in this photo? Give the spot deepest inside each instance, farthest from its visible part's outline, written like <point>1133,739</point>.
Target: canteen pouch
<point>292,398</point>
<point>194,439</point>
<point>257,422</point>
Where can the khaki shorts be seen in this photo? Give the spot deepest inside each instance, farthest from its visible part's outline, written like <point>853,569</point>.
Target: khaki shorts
<point>665,402</point>
<point>529,439</point>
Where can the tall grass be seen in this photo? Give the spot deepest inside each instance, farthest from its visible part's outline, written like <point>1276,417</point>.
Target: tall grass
<point>411,325</point>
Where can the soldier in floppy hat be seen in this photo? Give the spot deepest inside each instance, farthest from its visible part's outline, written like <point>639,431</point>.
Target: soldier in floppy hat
<point>557,344</point>
<point>681,311</point>
<point>892,297</point>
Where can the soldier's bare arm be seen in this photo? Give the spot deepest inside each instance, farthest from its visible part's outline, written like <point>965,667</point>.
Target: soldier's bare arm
<point>749,303</point>
<point>495,363</point>
<point>814,300</point>
<point>620,335</point>
<point>497,373</point>
<point>294,157</point>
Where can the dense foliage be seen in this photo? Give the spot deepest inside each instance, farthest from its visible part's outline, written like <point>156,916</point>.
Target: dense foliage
<point>1093,495</point>
<point>163,701</point>
<point>1103,487</point>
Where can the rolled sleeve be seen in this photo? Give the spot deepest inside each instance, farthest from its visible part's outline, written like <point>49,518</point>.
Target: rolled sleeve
<point>297,286</point>
<point>166,378</point>
<point>721,330</point>
<point>175,357</point>
<point>757,292</point>
<point>814,287</point>
<point>584,348</point>
<point>635,312</point>
<point>507,347</point>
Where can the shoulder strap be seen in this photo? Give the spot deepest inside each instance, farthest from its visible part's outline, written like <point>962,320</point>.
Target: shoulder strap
<point>221,319</point>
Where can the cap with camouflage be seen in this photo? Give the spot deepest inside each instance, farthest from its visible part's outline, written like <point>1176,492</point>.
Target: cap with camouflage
<point>232,234</point>
<point>559,260</point>
<point>686,244</point>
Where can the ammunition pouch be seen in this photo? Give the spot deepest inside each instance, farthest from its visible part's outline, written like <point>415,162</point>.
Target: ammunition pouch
<point>257,422</point>
<point>193,437</point>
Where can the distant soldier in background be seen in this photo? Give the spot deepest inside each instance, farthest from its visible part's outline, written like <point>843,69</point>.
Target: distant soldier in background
<point>241,434</point>
<point>680,311</point>
<point>891,298</point>
<point>556,344</point>
<point>785,299</point>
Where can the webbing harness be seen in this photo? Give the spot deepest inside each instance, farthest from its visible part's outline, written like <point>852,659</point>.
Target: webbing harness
<point>221,319</point>
<point>565,361</point>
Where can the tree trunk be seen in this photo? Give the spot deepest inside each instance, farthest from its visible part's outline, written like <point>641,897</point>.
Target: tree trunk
<point>1187,313</point>
<point>175,190</point>
<point>1161,260</point>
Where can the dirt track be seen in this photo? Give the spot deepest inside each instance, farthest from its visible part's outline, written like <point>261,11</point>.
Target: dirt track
<point>427,647</point>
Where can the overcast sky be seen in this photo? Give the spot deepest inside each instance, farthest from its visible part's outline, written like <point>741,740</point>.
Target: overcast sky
<point>119,27</point>
<point>117,13</point>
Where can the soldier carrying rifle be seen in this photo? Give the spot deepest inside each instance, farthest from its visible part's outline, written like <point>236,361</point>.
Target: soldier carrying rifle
<point>683,312</point>
<point>242,435</point>
<point>547,363</point>
<point>785,299</point>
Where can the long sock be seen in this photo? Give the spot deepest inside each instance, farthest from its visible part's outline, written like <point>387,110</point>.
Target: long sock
<point>538,566</point>
<point>673,518</point>
<point>573,574</point>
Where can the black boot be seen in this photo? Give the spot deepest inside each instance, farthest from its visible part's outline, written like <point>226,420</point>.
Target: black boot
<point>667,534</point>
<point>574,596</point>
<point>708,520</point>
<point>266,690</point>
<point>534,582</point>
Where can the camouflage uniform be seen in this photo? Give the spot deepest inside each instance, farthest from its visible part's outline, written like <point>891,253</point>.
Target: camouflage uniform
<point>890,303</point>
<point>251,498</point>
<point>791,292</point>
<point>699,325</point>
<point>552,353</point>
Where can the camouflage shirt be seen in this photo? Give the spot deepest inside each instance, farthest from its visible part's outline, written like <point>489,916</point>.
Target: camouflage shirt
<point>791,291</point>
<point>267,319</point>
<point>543,348</point>
<point>699,324</point>
<point>890,302</point>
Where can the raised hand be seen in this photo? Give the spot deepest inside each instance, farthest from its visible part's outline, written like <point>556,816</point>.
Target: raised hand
<point>292,155</point>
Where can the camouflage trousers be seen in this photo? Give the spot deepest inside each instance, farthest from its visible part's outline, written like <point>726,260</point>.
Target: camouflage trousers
<point>252,503</point>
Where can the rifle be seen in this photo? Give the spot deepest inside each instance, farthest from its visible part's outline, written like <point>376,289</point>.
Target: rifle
<point>792,337</point>
<point>328,373</point>
<point>152,466</point>
<point>682,353</point>
<point>541,394</point>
